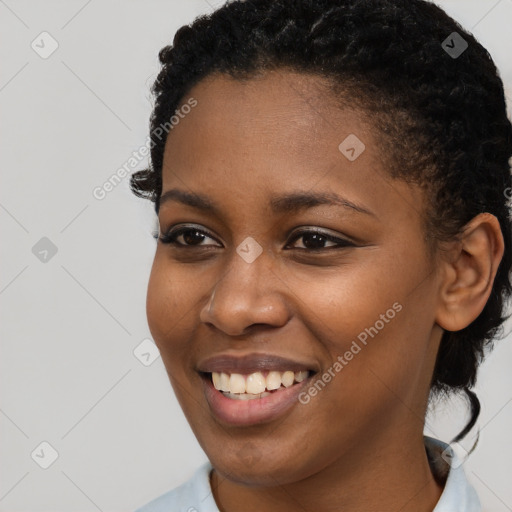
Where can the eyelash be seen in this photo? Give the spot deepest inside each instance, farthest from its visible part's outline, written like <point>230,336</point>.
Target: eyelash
<point>171,235</point>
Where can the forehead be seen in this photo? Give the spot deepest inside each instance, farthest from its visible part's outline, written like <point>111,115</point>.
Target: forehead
<point>277,132</point>
<point>279,119</point>
<point>299,104</point>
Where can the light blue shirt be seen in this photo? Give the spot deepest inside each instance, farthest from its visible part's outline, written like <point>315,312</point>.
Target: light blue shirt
<point>458,495</point>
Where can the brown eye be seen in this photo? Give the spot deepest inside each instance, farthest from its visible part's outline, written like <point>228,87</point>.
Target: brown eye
<point>190,237</point>
<point>316,240</point>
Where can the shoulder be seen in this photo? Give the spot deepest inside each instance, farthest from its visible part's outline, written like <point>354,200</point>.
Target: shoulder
<point>458,494</point>
<point>192,496</point>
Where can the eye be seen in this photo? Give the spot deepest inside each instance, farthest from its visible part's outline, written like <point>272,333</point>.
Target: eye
<point>191,236</point>
<point>314,240</point>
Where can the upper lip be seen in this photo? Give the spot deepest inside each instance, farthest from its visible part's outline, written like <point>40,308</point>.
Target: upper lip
<point>251,363</point>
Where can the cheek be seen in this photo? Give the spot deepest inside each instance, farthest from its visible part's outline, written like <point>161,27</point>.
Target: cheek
<point>339,303</point>
<point>374,332</point>
<point>385,379</point>
<point>160,302</point>
<point>171,303</point>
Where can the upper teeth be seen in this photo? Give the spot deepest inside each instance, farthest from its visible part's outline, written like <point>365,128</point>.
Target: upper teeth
<point>255,383</point>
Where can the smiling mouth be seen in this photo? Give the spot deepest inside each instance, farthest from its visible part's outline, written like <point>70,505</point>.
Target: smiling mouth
<point>237,386</point>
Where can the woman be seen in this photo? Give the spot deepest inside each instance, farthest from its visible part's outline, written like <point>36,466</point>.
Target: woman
<point>330,179</point>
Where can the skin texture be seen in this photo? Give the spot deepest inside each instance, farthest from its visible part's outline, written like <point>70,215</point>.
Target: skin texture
<point>358,444</point>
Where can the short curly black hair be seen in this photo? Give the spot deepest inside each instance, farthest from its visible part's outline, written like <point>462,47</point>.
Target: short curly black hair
<point>442,117</point>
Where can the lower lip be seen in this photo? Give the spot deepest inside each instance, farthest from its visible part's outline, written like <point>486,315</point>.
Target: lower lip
<point>251,412</point>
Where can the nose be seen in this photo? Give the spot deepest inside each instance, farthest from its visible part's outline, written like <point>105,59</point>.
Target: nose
<point>248,294</point>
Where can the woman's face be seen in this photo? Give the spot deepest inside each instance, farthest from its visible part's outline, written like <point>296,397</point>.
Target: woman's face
<point>356,304</point>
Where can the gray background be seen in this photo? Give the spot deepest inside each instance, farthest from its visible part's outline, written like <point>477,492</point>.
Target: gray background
<point>70,323</point>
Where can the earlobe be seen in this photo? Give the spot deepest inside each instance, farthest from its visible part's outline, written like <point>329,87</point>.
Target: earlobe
<point>469,273</point>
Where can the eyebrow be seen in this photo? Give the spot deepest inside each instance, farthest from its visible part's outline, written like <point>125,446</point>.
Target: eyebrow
<point>289,203</point>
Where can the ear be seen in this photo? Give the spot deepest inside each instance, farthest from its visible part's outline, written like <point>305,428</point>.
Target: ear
<point>469,271</point>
